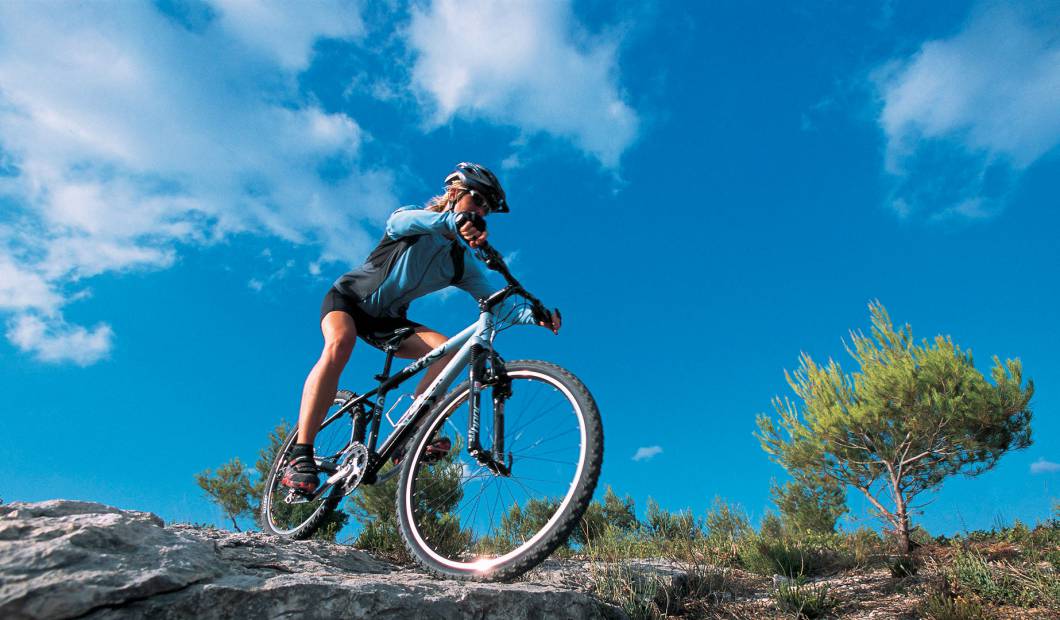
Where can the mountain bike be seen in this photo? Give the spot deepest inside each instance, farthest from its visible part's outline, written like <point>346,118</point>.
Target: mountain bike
<point>494,475</point>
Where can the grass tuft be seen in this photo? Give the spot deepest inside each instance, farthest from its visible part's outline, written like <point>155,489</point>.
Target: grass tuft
<point>804,600</point>
<point>940,606</point>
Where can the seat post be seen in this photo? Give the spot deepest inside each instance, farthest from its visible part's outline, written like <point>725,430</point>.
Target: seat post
<point>383,376</point>
<point>391,347</point>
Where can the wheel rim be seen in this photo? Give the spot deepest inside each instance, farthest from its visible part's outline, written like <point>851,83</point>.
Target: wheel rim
<point>333,437</point>
<point>546,433</point>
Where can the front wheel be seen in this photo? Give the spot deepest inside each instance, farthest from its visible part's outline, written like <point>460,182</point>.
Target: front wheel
<point>463,519</point>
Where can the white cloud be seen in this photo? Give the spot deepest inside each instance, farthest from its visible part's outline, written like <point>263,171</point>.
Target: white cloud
<point>963,116</point>
<point>57,341</point>
<point>526,64</point>
<point>646,453</point>
<point>287,30</point>
<point>125,135</point>
<point>1042,466</point>
<point>22,289</point>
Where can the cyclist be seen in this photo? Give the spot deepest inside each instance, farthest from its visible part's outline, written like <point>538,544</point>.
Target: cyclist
<point>421,252</point>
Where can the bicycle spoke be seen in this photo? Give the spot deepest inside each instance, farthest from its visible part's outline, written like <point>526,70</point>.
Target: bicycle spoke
<point>525,488</point>
<point>545,440</point>
<point>451,494</point>
<point>527,407</point>
<point>534,479</point>
<point>537,458</point>
<point>518,432</point>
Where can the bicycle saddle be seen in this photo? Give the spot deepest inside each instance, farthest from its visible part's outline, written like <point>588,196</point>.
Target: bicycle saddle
<point>399,336</point>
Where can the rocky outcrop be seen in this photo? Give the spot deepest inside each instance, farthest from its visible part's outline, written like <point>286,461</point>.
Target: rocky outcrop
<point>69,559</point>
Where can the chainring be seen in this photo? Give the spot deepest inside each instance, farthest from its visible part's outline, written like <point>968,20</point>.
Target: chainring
<point>358,464</point>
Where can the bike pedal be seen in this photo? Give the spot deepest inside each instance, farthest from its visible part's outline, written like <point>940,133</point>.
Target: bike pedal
<point>297,497</point>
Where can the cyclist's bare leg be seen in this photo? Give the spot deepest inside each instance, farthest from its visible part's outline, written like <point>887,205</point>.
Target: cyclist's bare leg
<point>340,334</point>
<point>418,345</point>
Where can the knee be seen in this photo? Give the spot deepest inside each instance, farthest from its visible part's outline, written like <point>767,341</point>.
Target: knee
<point>338,349</point>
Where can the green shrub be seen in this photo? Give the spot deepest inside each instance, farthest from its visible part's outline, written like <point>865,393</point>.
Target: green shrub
<point>772,526</point>
<point>810,505</point>
<point>615,543</point>
<point>920,536</point>
<point>805,600</point>
<point>973,574</point>
<point>373,507</point>
<point>1005,583</point>
<point>643,593</point>
<point>1018,534</point>
<point>904,566</point>
<point>785,557</point>
<point>1036,587</point>
<point>664,525</point>
<point>940,606</point>
<point>521,522</point>
<point>1042,543</point>
<point>726,525</point>
<point>614,512</point>
<point>631,591</point>
<point>1053,558</point>
<point>701,586</point>
<point>859,548</point>
<point>381,538</point>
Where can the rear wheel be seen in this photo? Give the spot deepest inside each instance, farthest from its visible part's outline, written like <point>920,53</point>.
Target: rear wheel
<point>302,519</point>
<point>460,518</point>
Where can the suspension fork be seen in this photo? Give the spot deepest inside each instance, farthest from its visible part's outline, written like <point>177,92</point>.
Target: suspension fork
<point>502,389</point>
<point>494,459</point>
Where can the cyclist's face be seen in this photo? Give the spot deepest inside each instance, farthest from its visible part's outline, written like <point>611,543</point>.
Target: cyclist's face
<point>467,202</point>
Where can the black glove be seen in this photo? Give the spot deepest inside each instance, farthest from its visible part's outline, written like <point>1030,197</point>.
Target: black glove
<point>476,220</point>
<point>542,315</point>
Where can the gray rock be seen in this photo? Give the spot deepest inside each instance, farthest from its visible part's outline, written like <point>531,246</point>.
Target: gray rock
<point>66,559</point>
<point>62,559</point>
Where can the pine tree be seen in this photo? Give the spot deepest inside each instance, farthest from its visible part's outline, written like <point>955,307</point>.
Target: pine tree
<point>614,512</point>
<point>229,488</point>
<point>911,417</point>
<point>663,525</point>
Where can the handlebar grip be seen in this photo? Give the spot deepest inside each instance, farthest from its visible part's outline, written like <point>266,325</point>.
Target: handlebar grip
<point>541,314</point>
<point>470,217</point>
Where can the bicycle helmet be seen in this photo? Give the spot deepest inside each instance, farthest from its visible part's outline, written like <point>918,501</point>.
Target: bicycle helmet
<point>480,179</point>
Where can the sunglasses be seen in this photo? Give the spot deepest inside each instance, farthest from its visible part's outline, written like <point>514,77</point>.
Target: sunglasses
<point>481,201</point>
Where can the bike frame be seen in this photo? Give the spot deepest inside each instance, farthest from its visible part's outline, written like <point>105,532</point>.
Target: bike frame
<point>473,346</point>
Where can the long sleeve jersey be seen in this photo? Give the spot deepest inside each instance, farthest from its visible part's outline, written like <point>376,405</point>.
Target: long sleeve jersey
<point>420,253</point>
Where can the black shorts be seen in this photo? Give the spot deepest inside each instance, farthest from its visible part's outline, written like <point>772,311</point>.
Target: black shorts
<point>375,330</point>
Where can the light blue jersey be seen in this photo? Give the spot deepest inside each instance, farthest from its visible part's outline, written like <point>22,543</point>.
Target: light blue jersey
<point>415,258</point>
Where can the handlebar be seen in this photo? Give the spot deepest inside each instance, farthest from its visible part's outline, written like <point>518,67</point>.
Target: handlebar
<point>494,261</point>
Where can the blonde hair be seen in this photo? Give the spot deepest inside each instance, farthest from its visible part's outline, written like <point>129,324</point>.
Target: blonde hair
<point>440,202</point>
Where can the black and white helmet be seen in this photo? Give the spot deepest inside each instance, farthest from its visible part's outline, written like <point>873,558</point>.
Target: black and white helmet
<point>480,179</point>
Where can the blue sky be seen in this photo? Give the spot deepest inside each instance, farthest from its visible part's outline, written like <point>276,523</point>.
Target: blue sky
<point>704,189</point>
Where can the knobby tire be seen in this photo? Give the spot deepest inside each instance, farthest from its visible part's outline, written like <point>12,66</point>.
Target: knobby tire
<point>557,530</point>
